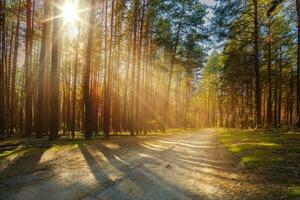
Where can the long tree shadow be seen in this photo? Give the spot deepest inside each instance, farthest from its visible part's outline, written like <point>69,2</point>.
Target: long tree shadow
<point>221,169</point>
<point>104,181</point>
<point>150,184</point>
<point>15,174</point>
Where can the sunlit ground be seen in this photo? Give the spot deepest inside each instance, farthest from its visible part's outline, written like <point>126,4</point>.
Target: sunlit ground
<point>173,166</point>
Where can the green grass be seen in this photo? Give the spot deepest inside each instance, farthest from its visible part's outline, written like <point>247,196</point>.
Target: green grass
<point>294,193</point>
<point>275,155</point>
<point>262,149</point>
<point>18,151</point>
<point>11,152</point>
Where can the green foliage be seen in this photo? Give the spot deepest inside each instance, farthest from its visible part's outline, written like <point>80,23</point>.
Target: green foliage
<point>179,25</point>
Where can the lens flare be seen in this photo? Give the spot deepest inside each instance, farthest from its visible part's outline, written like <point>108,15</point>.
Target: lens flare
<point>70,12</point>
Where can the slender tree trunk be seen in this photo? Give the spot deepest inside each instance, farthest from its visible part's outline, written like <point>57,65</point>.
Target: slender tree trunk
<point>298,64</point>
<point>257,66</point>
<point>106,90</point>
<point>133,71</point>
<point>54,82</point>
<point>269,104</point>
<point>126,104</point>
<point>14,70</point>
<point>291,96</point>
<point>173,58</point>
<point>87,97</point>
<point>28,73</point>
<point>8,112</point>
<point>73,123</point>
<point>2,66</point>
<point>138,75</point>
<point>276,78</point>
<point>280,88</point>
<point>40,129</point>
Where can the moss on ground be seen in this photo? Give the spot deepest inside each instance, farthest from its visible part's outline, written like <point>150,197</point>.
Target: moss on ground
<point>273,154</point>
<point>263,149</point>
<point>20,150</point>
<point>294,193</point>
<point>10,152</point>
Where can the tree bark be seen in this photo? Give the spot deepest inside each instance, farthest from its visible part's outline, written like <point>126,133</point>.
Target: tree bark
<point>28,75</point>
<point>173,58</point>
<point>54,82</point>
<point>44,60</point>
<point>107,106</point>
<point>138,80</point>
<point>257,66</point>
<point>73,118</point>
<point>14,70</point>
<point>87,97</point>
<point>133,71</point>
<point>2,66</point>
<point>298,64</point>
<point>269,104</point>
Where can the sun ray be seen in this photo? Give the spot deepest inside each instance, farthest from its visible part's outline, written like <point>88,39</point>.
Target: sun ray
<point>70,13</point>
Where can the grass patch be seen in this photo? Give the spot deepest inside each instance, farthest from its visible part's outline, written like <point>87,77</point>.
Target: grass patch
<point>64,147</point>
<point>272,153</point>
<point>294,193</point>
<point>11,152</point>
<point>19,151</point>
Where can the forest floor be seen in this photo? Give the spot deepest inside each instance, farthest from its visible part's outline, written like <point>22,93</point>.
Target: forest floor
<point>188,165</point>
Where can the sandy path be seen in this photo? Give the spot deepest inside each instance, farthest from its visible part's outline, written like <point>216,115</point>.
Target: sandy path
<point>180,166</point>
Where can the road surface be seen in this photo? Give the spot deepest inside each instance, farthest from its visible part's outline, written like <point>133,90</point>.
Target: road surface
<point>190,165</point>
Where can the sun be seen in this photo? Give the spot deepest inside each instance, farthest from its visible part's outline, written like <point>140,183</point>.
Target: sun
<point>70,12</point>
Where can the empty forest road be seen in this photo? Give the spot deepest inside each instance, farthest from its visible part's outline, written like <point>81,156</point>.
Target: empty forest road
<point>191,165</point>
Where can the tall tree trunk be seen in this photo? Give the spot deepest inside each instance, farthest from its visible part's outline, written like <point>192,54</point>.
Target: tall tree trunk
<point>54,82</point>
<point>173,58</point>
<point>126,104</point>
<point>280,88</point>
<point>73,118</point>
<point>106,90</point>
<point>298,64</point>
<point>14,70</point>
<point>257,66</point>
<point>138,75</point>
<point>291,97</point>
<point>28,73</point>
<point>87,97</point>
<point>8,112</point>
<point>133,71</point>
<point>2,66</point>
<point>40,129</point>
<point>276,78</point>
<point>269,103</point>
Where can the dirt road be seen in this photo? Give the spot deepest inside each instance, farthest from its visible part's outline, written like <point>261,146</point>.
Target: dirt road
<point>179,166</point>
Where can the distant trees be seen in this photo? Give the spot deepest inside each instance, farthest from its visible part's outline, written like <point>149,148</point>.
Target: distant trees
<point>258,64</point>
